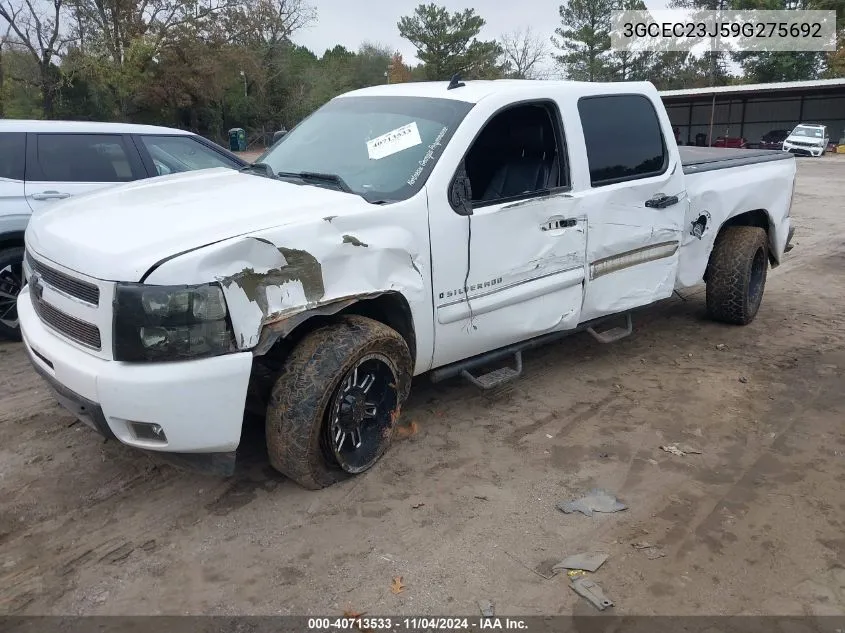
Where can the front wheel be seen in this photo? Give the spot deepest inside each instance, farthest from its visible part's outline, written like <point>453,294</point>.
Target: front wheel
<point>11,283</point>
<point>334,405</point>
<point>736,275</point>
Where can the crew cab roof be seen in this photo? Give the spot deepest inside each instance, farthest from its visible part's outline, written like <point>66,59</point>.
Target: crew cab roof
<point>475,91</point>
<point>83,127</point>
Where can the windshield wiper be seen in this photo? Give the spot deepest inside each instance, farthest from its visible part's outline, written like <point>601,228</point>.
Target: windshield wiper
<point>262,169</point>
<point>334,179</point>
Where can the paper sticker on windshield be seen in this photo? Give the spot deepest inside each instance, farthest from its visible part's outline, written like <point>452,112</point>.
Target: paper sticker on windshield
<point>394,141</point>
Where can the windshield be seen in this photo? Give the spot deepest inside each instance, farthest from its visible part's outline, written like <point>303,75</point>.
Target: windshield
<point>383,148</point>
<point>814,132</point>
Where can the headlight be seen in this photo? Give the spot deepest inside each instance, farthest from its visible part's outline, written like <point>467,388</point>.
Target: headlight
<point>161,323</point>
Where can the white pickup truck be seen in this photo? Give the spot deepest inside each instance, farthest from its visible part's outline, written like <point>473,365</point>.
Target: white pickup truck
<point>399,230</point>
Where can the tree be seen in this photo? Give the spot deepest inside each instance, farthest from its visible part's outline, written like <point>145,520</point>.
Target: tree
<point>448,43</point>
<point>398,72</point>
<point>37,26</point>
<point>584,39</point>
<point>716,62</point>
<point>523,53</point>
<point>769,66</point>
<point>626,65</point>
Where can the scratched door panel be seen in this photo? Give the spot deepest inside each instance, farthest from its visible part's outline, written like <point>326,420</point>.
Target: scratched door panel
<point>527,267</point>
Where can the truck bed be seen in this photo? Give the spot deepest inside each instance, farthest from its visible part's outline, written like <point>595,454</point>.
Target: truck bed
<point>699,159</point>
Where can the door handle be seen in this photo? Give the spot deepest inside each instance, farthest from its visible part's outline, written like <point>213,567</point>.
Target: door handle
<point>50,195</point>
<point>661,201</point>
<point>558,223</point>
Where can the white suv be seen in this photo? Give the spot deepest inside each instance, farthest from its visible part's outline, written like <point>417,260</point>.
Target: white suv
<point>45,161</point>
<point>807,140</point>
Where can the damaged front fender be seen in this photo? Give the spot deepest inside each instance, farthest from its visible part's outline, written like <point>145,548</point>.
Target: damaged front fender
<point>275,281</point>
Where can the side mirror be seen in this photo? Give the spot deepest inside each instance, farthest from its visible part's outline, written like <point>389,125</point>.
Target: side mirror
<point>460,193</point>
<point>278,136</point>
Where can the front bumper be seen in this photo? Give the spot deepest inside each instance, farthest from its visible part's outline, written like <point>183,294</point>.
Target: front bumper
<point>803,151</point>
<point>199,404</point>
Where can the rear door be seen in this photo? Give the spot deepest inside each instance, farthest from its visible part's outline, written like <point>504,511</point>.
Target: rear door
<point>12,168</point>
<point>63,165</point>
<point>635,184</point>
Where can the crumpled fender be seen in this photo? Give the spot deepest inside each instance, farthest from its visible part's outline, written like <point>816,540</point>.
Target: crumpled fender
<point>274,282</point>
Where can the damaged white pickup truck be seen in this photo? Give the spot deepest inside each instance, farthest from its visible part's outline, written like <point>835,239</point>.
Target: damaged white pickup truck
<point>399,230</point>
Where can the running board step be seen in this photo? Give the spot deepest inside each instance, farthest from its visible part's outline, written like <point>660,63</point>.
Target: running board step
<point>614,334</point>
<point>497,377</point>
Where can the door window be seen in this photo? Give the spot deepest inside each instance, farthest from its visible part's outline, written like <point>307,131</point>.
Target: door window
<point>12,155</point>
<point>83,158</point>
<point>623,136</point>
<point>174,154</point>
<point>517,155</point>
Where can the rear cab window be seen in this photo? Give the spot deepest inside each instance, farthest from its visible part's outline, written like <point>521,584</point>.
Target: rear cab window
<point>83,158</point>
<point>624,138</point>
<point>12,155</point>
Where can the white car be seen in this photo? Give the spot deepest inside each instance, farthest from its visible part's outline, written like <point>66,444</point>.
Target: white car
<point>399,230</point>
<point>807,140</point>
<point>45,161</point>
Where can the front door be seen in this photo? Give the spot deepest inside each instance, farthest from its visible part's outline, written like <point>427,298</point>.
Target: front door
<point>63,165</point>
<point>515,267</point>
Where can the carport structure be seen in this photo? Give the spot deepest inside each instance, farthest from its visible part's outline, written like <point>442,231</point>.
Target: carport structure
<point>751,110</point>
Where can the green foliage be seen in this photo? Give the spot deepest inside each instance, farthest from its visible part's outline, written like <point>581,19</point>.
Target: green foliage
<point>210,65</point>
<point>584,39</point>
<point>447,43</point>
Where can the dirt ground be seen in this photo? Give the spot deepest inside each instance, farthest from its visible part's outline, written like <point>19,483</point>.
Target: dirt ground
<point>464,510</point>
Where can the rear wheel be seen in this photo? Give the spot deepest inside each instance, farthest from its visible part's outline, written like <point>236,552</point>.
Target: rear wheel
<point>736,275</point>
<point>334,405</point>
<point>11,283</point>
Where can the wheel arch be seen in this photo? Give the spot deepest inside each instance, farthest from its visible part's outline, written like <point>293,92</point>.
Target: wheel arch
<point>12,239</point>
<point>390,308</point>
<point>757,217</point>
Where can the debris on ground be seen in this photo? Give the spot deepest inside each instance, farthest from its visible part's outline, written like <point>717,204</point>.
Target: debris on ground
<point>604,455</point>
<point>396,586</point>
<point>743,379</point>
<point>681,450</point>
<point>588,589</point>
<point>417,505</point>
<point>481,497</point>
<point>652,552</point>
<point>574,573</point>
<point>721,347</point>
<point>407,430</point>
<point>486,608</point>
<point>588,561</point>
<point>596,500</point>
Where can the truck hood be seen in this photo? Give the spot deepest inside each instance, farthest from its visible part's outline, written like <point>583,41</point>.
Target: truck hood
<point>118,233</point>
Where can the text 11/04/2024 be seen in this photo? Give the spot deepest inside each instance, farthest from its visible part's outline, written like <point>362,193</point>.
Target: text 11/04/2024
<point>416,624</point>
<point>690,30</point>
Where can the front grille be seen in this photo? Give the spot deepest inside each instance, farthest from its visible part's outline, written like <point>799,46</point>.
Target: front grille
<point>76,330</point>
<point>804,144</point>
<point>89,293</point>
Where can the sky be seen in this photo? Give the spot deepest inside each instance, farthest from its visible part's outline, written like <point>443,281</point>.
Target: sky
<point>350,22</point>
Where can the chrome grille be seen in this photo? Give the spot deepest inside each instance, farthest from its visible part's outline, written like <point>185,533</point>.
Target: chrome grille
<point>82,290</point>
<point>76,330</point>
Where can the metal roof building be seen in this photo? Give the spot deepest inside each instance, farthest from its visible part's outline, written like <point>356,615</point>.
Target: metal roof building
<point>751,110</point>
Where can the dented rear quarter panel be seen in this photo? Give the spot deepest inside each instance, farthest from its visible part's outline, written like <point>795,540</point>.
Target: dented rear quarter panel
<point>339,256</point>
<point>721,194</point>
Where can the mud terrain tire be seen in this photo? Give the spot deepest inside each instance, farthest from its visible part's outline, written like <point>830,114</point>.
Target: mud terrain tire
<point>315,382</point>
<point>736,276</point>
